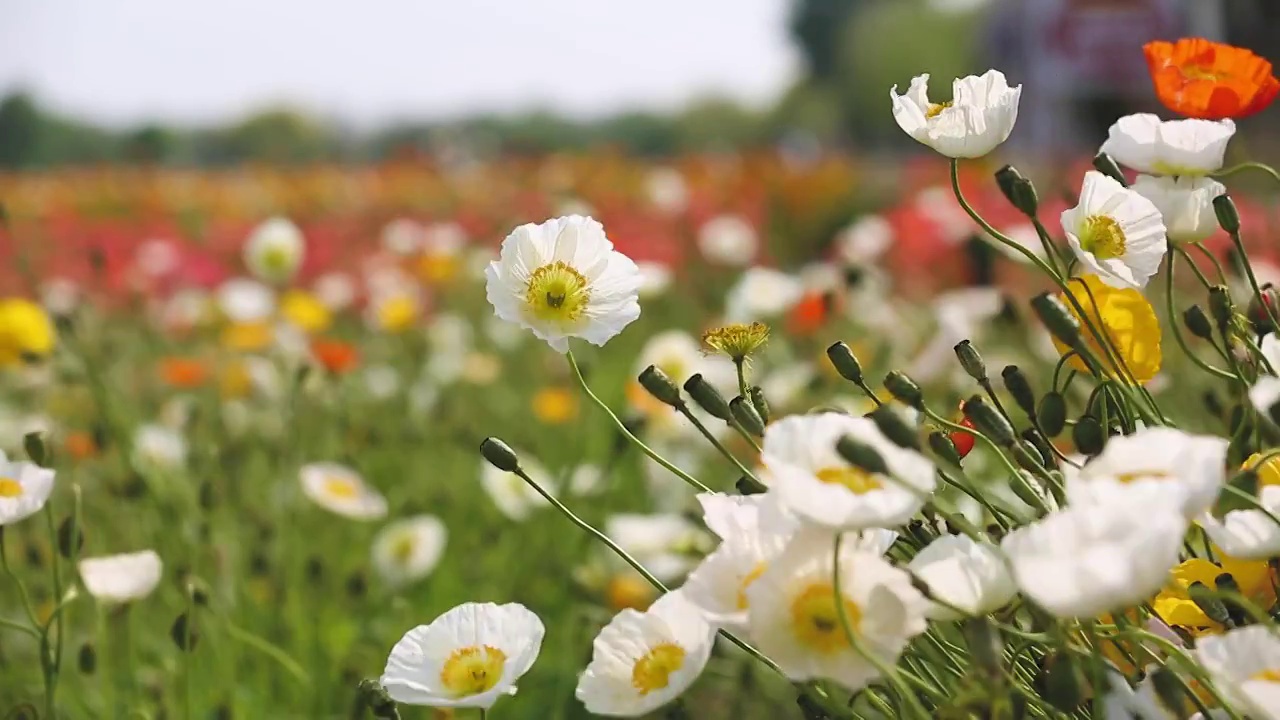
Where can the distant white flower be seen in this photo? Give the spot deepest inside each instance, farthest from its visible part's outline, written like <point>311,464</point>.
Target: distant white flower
<point>402,236</point>
<point>1185,204</point>
<point>979,117</point>
<point>1265,393</point>
<point>274,250</point>
<point>24,489</point>
<point>813,481</point>
<point>938,204</point>
<point>760,294</point>
<point>563,279</point>
<point>503,335</point>
<point>959,315</point>
<point>468,657</point>
<point>1115,233</point>
<point>450,333</point>
<point>665,543</point>
<point>1177,462</point>
<point>121,578</point>
<point>1249,533</point>
<point>794,615</point>
<point>642,661</point>
<point>667,190</point>
<point>586,480</point>
<point>382,381</point>
<point>1094,558</point>
<point>513,496</point>
<point>728,240</point>
<point>786,385</point>
<point>408,550</point>
<point>158,447</point>
<point>1150,145</point>
<point>864,241</point>
<point>963,573</point>
<point>339,489</point>
<point>157,258</point>
<point>335,290</point>
<point>242,300</point>
<point>1244,664</point>
<point>1025,235</point>
<point>655,278</point>
<point>674,352</point>
<point>60,296</point>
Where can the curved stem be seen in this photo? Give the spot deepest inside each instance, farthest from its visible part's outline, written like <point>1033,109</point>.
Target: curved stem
<point>1217,266</point>
<point>1177,329</point>
<point>684,410</point>
<point>1251,165</point>
<point>1253,279</point>
<point>692,481</point>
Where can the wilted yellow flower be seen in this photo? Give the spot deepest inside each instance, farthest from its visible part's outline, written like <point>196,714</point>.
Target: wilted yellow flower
<point>305,311</point>
<point>555,405</point>
<point>25,330</point>
<point>1126,318</point>
<point>738,341</point>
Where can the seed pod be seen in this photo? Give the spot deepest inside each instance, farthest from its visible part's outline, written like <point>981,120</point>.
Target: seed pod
<point>499,454</point>
<point>707,397</point>
<point>1015,381</point>
<point>904,389</point>
<point>747,416</point>
<point>1052,414</point>
<point>845,362</point>
<point>971,360</point>
<point>891,424</point>
<point>1088,436</point>
<point>660,386</point>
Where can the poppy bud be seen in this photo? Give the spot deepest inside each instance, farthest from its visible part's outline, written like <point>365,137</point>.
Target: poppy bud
<point>1227,584</point>
<point>1221,306</point>
<point>37,450</point>
<point>985,644</point>
<point>1037,441</point>
<point>891,424</point>
<point>971,361</point>
<point>183,633</point>
<point>904,389</point>
<point>87,659</point>
<point>1020,388</point>
<point>943,447</point>
<point>1055,316</point>
<point>747,416</point>
<point>1257,311</point>
<point>1228,216</point>
<point>1088,436</point>
<point>1198,323</point>
<point>1106,165</point>
<point>1052,414</point>
<point>861,455</point>
<point>750,486</point>
<point>845,362</point>
<point>759,403</point>
<point>707,397</point>
<point>70,539</point>
<point>1209,604</point>
<point>988,421</point>
<point>660,386</point>
<point>499,455</point>
<point>1061,682</point>
<point>1018,190</point>
<point>1171,693</point>
<point>375,698</point>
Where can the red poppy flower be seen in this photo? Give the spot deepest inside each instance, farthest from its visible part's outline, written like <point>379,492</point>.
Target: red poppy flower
<point>335,355</point>
<point>1209,80</point>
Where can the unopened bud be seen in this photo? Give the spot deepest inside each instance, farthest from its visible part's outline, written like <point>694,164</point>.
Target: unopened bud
<point>1226,583</point>
<point>183,633</point>
<point>811,709</point>
<point>904,389</point>
<point>1018,190</point>
<point>1057,318</point>
<point>1198,323</point>
<point>1221,306</point>
<point>1038,441</point>
<point>943,447</point>
<point>845,362</point>
<point>750,486</point>
<point>1027,457</point>
<point>37,450</point>
<point>1106,165</point>
<point>988,421</point>
<point>759,403</point>
<point>1052,414</point>
<point>1088,436</point>
<point>971,361</point>
<point>747,416</point>
<point>1209,604</point>
<point>1228,216</point>
<point>1257,311</point>
<point>660,386</point>
<point>87,659</point>
<point>70,539</point>
<point>357,585</point>
<point>1028,491</point>
<point>499,455</point>
<point>861,455</point>
<point>376,699</point>
<point>208,496</point>
<point>707,397</point>
<point>893,426</point>
<point>1015,381</point>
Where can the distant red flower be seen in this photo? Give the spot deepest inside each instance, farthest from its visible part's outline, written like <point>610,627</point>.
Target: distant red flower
<point>1209,80</point>
<point>183,373</point>
<point>336,356</point>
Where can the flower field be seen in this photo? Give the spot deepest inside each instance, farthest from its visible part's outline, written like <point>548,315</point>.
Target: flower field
<point>728,436</point>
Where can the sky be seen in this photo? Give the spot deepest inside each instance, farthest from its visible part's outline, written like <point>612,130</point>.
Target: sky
<point>367,63</point>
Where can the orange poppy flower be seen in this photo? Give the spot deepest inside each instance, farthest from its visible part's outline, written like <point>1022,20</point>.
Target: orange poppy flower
<point>1209,80</point>
<point>335,355</point>
<point>185,373</point>
<point>80,445</point>
<point>812,312</point>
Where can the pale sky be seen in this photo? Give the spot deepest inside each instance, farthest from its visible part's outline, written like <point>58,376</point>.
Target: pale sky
<point>373,61</point>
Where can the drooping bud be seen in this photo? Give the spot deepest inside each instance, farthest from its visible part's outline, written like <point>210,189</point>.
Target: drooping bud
<point>750,486</point>
<point>892,425</point>
<point>1171,693</point>
<point>183,633</point>
<point>1057,318</point>
<point>707,397</point>
<point>1226,583</point>
<point>747,416</point>
<point>1015,381</point>
<point>988,421</point>
<point>499,455</point>
<point>861,455</point>
<point>1221,306</point>
<point>33,443</point>
<point>87,659</point>
<point>845,362</point>
<point>904,389</point>
<point>1106,165</point>
<point>357,585</point>
<point>1198,323</point>
<point>1018,190</point>
<point>1088,435</point>
<point>1052,414</point>
<point>971,361</point>
<point>1228,216</point>
<point>1027,457</point>
<point>375,698</point>
<point>659,385</point>
<point>759,403</point>
<point>942,446</point>
<point>70,539</point>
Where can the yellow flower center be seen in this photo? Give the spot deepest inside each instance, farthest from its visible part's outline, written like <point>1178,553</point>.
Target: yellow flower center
<point>746,583</point>
<point>1195,72</point>
<point>859,481</point>
<point>10,488</point>
<point>277,260</point>
<point>557,293</point>
<point>815,619</point>
<point>1102,236</point>
<point>737,341</point>
<point>1271,675</point>
<point>935,109</point>
<point>473,670</point>
<point>340,488</point>
<point>403,547</point>
<point>1129,477</point>
<point>653,671</point>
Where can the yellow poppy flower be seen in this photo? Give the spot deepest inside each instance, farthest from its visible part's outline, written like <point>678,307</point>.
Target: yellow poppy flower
<point>555,405</point>
<point>25,331</point>
<point>1175,606</point>
<point>1127,319</point>
<point>1269,472</point>
<point>248,336</point>
<point>305,311</point>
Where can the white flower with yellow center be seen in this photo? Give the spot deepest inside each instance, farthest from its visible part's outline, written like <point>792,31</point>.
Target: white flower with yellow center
<point>815,483</point>
<point>1172,461</point>
<point>641,661</point>
<point>1150,145</point>
<point>563,279</point>
<point>1098,557</point>
<point>339,489</point>
<point>965,574</point>
<point>979,116</point>
<point>121,578</point>
<point>274,250</point>
<point>511,494</point>
<point>408,550</point>
<point>761,294</point>
<point>728,240</point>
<point>24,489</point>
<point>1115,233</point>
<point>1250,533</point>
<point>795,610</point>
<point>1185,204</point>
<point>468,657</point>
<point>1244,664</point>
<point>665,543</point>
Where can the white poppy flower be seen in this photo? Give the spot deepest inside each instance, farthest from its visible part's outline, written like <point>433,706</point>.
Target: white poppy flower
<point>1244,664</point>
<point>655,278</point>
<point>468,657</point>
<point>382,381</point>
<point>864,241</point>
<point>813,481</point>
<point>965,574</point>
<point>1024,234</point>
<point>504,335</point>
<point>60,296</point>
<point>1150,145</point>
<point>788,384</point>
<point>159,448</point>
<point>563,279</point>
<point>511,494</point>
<point>586,480</point>
<point>979,117</point>
<point>335,290</point>
<point>402,236</point>
<point>794,618</point>
<point>674,352</point>
<point>24,489</point>
<point>664,543</point>
<point>274,250</point>
<point>1192,466</point>
<point>1185,204</point>
<point>728,240</point>
<point>760,294</point>
<point>242,300</point>
<point>642,661</point>
<point>960,315</point>
<point>1095,558</point>
<point>1250,533</point>
<point>408,550</point>
<point>1116,233</point>
<point>121,578</point>
<point>1123,702</point>
<point>667,190</point>
<point>1265,393</point>
<point>339,489</point>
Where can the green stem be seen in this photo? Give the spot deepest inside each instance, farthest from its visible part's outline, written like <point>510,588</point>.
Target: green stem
<point>1217,266</point>
<point>1251,165</point>
<point>1253,279</point>
<point>1177,329</point>
<point>684,410</point>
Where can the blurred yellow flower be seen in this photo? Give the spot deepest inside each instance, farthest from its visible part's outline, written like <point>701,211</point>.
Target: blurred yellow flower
<point>1269,472</point>
<point>235,381</point>
<point>1126,318</point>
<point>1175,606</point>
<point>629,590</point>
<point>555,405</point>
<point>481,368</point>
<point>305,311</point>
<point>247,336</point>
<point>396,313</point>
<point>25,331</point>
<point>437,267</point>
